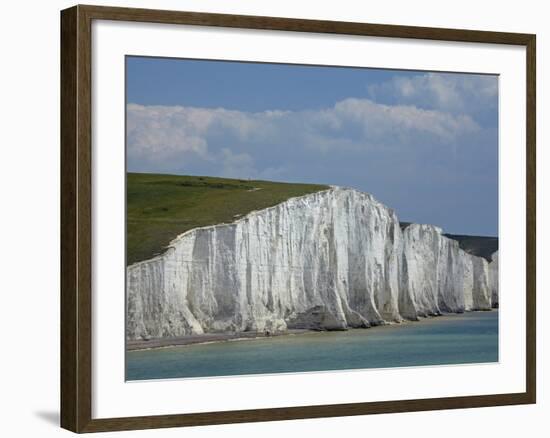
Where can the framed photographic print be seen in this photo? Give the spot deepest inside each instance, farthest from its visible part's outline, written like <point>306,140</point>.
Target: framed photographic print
<point>341,214</point>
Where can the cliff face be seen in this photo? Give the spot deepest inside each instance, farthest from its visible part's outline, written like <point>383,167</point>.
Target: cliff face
<point>331,260</point>
<point>493,280</point>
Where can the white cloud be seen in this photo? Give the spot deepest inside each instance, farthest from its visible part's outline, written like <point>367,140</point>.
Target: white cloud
<point>385,121</point>
<point>238,143</point>
<point>175,135</point>
<point>160,134</point>
<point>442,91</point>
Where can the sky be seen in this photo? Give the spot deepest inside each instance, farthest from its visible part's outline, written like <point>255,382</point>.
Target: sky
<point>423,143</point>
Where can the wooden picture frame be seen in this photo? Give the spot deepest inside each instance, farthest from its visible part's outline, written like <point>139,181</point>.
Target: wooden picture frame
<point>76,217</point>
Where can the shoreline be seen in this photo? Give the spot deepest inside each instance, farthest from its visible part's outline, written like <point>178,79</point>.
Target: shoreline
<point>208,338</point>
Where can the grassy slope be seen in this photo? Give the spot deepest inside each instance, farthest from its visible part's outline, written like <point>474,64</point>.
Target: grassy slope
<point>160,207</point>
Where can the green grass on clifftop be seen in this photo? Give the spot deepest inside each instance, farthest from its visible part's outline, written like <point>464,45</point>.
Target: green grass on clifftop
<point>160,207</point>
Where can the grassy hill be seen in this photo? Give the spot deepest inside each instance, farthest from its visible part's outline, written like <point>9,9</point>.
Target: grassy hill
<point>160,207</point>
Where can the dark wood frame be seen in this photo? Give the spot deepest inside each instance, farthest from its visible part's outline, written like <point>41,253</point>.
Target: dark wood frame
<point>76,225</point>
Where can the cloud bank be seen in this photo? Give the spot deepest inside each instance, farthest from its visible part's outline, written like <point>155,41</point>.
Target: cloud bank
<point>424,136</point>
<point>234,143</point>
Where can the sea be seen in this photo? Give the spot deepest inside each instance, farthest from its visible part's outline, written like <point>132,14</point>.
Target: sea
<point>465,338</point>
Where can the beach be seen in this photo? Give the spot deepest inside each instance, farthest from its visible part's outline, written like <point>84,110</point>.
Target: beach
<point>205,338</point>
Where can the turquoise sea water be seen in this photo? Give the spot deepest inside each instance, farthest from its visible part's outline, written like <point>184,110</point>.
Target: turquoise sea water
<point>457,339</point>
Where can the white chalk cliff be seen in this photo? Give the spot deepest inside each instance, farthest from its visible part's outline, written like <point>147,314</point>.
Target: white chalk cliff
<point>330,260</point>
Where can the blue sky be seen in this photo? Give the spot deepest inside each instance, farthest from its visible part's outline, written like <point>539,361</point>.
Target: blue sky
<point>425,144</point>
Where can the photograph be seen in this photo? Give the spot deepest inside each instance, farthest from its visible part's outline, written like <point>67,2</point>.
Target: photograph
<point>285,218</point>
<point>275,219</point>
